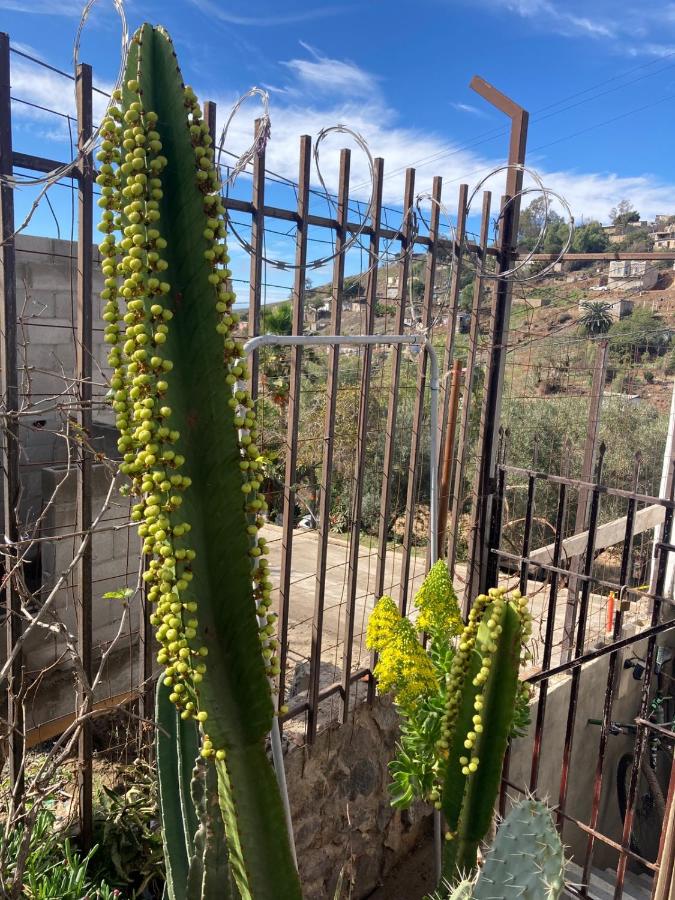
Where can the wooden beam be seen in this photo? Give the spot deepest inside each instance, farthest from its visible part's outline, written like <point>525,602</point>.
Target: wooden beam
<point>607,535</point>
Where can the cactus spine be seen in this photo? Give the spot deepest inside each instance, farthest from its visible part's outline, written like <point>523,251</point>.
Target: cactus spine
<point>187,439</point>
<point>525,862</point>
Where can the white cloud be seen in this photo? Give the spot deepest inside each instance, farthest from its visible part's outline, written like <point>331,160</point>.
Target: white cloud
<point>266,21</point>
<point>300,110</point>
<point>467,108</point>
<point>323,74</point>
<point>558,18</point>
<point>47,89</point>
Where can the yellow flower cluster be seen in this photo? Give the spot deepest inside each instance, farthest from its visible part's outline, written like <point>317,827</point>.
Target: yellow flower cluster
<point>437,602</point>
<point>382,624</point>
<point>403,666</point>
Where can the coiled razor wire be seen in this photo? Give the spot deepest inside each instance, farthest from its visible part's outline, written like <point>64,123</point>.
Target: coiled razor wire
<point>65,169</point>
<point>547,194</point>
<point>262,134</point>
<point>411,217</point>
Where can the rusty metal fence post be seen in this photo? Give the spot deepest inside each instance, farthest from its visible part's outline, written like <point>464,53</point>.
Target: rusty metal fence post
<point>83,356</point>
<point>499,331</point>
<point>9,396</point>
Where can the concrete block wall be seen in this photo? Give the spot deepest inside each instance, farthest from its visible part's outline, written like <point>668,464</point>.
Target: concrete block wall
<point>46,284</point>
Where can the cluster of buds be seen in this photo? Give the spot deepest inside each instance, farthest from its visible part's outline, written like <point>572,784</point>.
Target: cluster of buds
<point>486,614</point>
<point>136,299</point>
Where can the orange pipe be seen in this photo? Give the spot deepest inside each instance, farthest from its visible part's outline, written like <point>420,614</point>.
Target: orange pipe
<point>609,624</point>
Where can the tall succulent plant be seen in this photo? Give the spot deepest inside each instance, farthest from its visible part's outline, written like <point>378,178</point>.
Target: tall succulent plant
<point>482,695</point>
<point>188,443</point>
<point>460,700</point>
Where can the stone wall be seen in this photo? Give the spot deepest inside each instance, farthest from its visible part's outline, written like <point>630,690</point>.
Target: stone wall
<point>340,805</point>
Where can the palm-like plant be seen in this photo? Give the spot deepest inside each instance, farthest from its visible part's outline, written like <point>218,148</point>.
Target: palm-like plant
<point>597,316</point>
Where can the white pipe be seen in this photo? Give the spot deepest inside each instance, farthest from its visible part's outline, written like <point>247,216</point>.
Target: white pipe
<point>411,340</point>
<point>666,472</point>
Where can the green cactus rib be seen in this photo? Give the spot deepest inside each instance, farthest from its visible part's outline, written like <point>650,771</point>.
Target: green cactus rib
<point>526,860</point>
<point>209,874</point>
<point>176,740</point>
<point>481,700</point>
<point>179,408</point>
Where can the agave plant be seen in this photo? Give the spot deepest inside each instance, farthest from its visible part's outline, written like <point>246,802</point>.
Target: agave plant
<point>188,443</point>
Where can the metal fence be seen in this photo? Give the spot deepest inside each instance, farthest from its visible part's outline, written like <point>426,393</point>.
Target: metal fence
<point>363,427</point>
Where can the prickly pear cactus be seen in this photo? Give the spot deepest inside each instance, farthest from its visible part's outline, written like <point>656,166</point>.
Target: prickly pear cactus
<point>482,694</point>
<point>188,444</point>
<point>526,861</point>
<point>462,891</point>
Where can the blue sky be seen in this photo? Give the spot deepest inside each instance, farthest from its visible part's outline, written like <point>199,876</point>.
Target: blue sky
<point>598,78</point>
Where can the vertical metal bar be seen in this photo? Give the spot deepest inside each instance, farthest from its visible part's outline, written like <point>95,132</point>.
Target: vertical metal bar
<point>257,244</point>
<point>499,330</point>
<point>83,87</point>
<point>656,589</point>
<point>328,447</point>
<point>496,524</point>
<point>293,411</point>
<point>361,442</point>
<point>210,111</point>
<point>549,635</point>
<point>590,448</point>
<point>527,532</point>
<point>611,680</point>
<point>453,296</point>
<point>392,407</point>
<point>448,449</point>
<point>581,637</point>
<point>464,425</point>
<point>413,466</point>
<point>9,397</point>
<point>664,882</point>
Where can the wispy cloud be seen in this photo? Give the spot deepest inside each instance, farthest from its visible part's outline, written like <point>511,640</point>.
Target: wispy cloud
<point>301,111</point>
<point>467,108</point>
<point>272,19</point>
<point>558,18</point>
<point>324,74</point>
<point>43,7</point>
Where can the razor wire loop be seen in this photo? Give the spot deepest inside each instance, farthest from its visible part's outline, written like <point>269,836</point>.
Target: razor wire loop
<point>547,194</point>
<point>260,140</point>
<point>426,196</point>
<point>64,170</point>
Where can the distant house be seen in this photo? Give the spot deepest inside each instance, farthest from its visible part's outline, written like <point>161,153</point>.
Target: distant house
<point>664,236</point>
<point>392,287</point>
<point>631,274</point>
